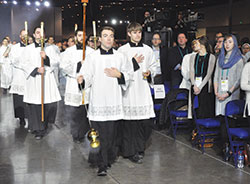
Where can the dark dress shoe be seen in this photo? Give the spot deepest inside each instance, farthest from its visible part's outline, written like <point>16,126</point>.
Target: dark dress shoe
<point>135,159</point>
<point>102,172</point>
<point>141,155</point>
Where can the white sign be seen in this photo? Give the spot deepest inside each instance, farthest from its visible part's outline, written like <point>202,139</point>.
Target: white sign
<point>159,91</point>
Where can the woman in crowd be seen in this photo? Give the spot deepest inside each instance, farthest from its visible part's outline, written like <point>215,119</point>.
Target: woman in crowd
<point>201,71</point>
<point>227,79</point>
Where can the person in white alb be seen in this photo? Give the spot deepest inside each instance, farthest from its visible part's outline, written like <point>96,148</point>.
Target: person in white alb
<point>75,100</point>
<point>18,80</point>
<point>106,72</point>
<point>6,69</point>
<point>32,92</point>
<point>137,100</point>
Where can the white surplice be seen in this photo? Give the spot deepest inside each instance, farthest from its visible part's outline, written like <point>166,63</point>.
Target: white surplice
<point>6,68</point>
<point>137,100</point>
<point>18,80</point>
<point>105,103</point>
<point>32,61</point>
<point>68,64</point>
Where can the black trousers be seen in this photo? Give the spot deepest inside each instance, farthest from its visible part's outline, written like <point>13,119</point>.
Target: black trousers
<point>20,108</point>
<point>108,151</point>
<point>34,117</point>
<point>135,135</point>
<point>79,125</point>
<point>158,79</point>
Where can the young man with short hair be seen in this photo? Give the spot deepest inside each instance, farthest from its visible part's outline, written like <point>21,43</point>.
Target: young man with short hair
<point>32,92</point>
<point>137,100</point>
<point>106,72</point>
<point>175,57</point>
<point>75,100</point>
<point>18,79</point>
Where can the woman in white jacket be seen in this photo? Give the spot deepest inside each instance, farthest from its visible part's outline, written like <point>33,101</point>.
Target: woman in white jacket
<point>185,69</point>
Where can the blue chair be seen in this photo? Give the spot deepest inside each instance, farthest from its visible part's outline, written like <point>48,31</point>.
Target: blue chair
<point>207,128</point>
<point>178,118</point>
<point>239,134</point>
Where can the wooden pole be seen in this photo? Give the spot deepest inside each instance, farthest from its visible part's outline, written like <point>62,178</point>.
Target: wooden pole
<point>42,76</point>
<point>84,28</point>
<point>84,38</point>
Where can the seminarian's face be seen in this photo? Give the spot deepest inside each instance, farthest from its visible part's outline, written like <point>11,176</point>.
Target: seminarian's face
<point>91,42</point>
<point>51,40</point>
<point>71,42</point>
<point>5,42</point>
<point>30,40</point>
<point>229,44</point>
<point>107,39</point>
<point>22,36</point>
<point>37,35</point>
<point>79,37</point>
<point>135,36</point>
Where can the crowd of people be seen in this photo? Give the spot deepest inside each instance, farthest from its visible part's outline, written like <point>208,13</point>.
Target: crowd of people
<point>108,89</point>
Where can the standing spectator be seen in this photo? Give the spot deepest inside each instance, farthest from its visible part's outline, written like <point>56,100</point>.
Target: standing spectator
<point>185,69</point>
<point>227,78</point>
<point>161,59</point>
<point>245,48</point>
<point>201,71</point>
<point>218,46</point>
<point>175,58</point>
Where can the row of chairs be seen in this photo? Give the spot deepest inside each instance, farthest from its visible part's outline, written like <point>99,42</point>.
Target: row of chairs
<point>208,129</point>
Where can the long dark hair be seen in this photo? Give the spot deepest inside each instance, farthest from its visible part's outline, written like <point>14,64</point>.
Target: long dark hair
<point>204,41</point>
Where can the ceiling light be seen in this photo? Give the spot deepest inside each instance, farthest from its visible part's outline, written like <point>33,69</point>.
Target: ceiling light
<point>28,3</point>
<point>114,21</point>
<point>46,3</point>
<point>37,3</point>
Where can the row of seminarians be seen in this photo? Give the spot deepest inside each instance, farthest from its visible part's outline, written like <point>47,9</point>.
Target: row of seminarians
<point>116,85</point>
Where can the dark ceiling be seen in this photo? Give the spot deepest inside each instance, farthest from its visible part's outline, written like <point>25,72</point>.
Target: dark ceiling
<point>100,8</point>
<point>125,10</point>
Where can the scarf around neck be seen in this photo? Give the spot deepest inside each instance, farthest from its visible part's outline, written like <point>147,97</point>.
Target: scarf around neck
<point>234,57</point>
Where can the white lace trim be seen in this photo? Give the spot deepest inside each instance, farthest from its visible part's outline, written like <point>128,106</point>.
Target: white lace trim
<point>17,89</point>
<point>73,98</point>
<point>146,110</point>
<point>106,111</point>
